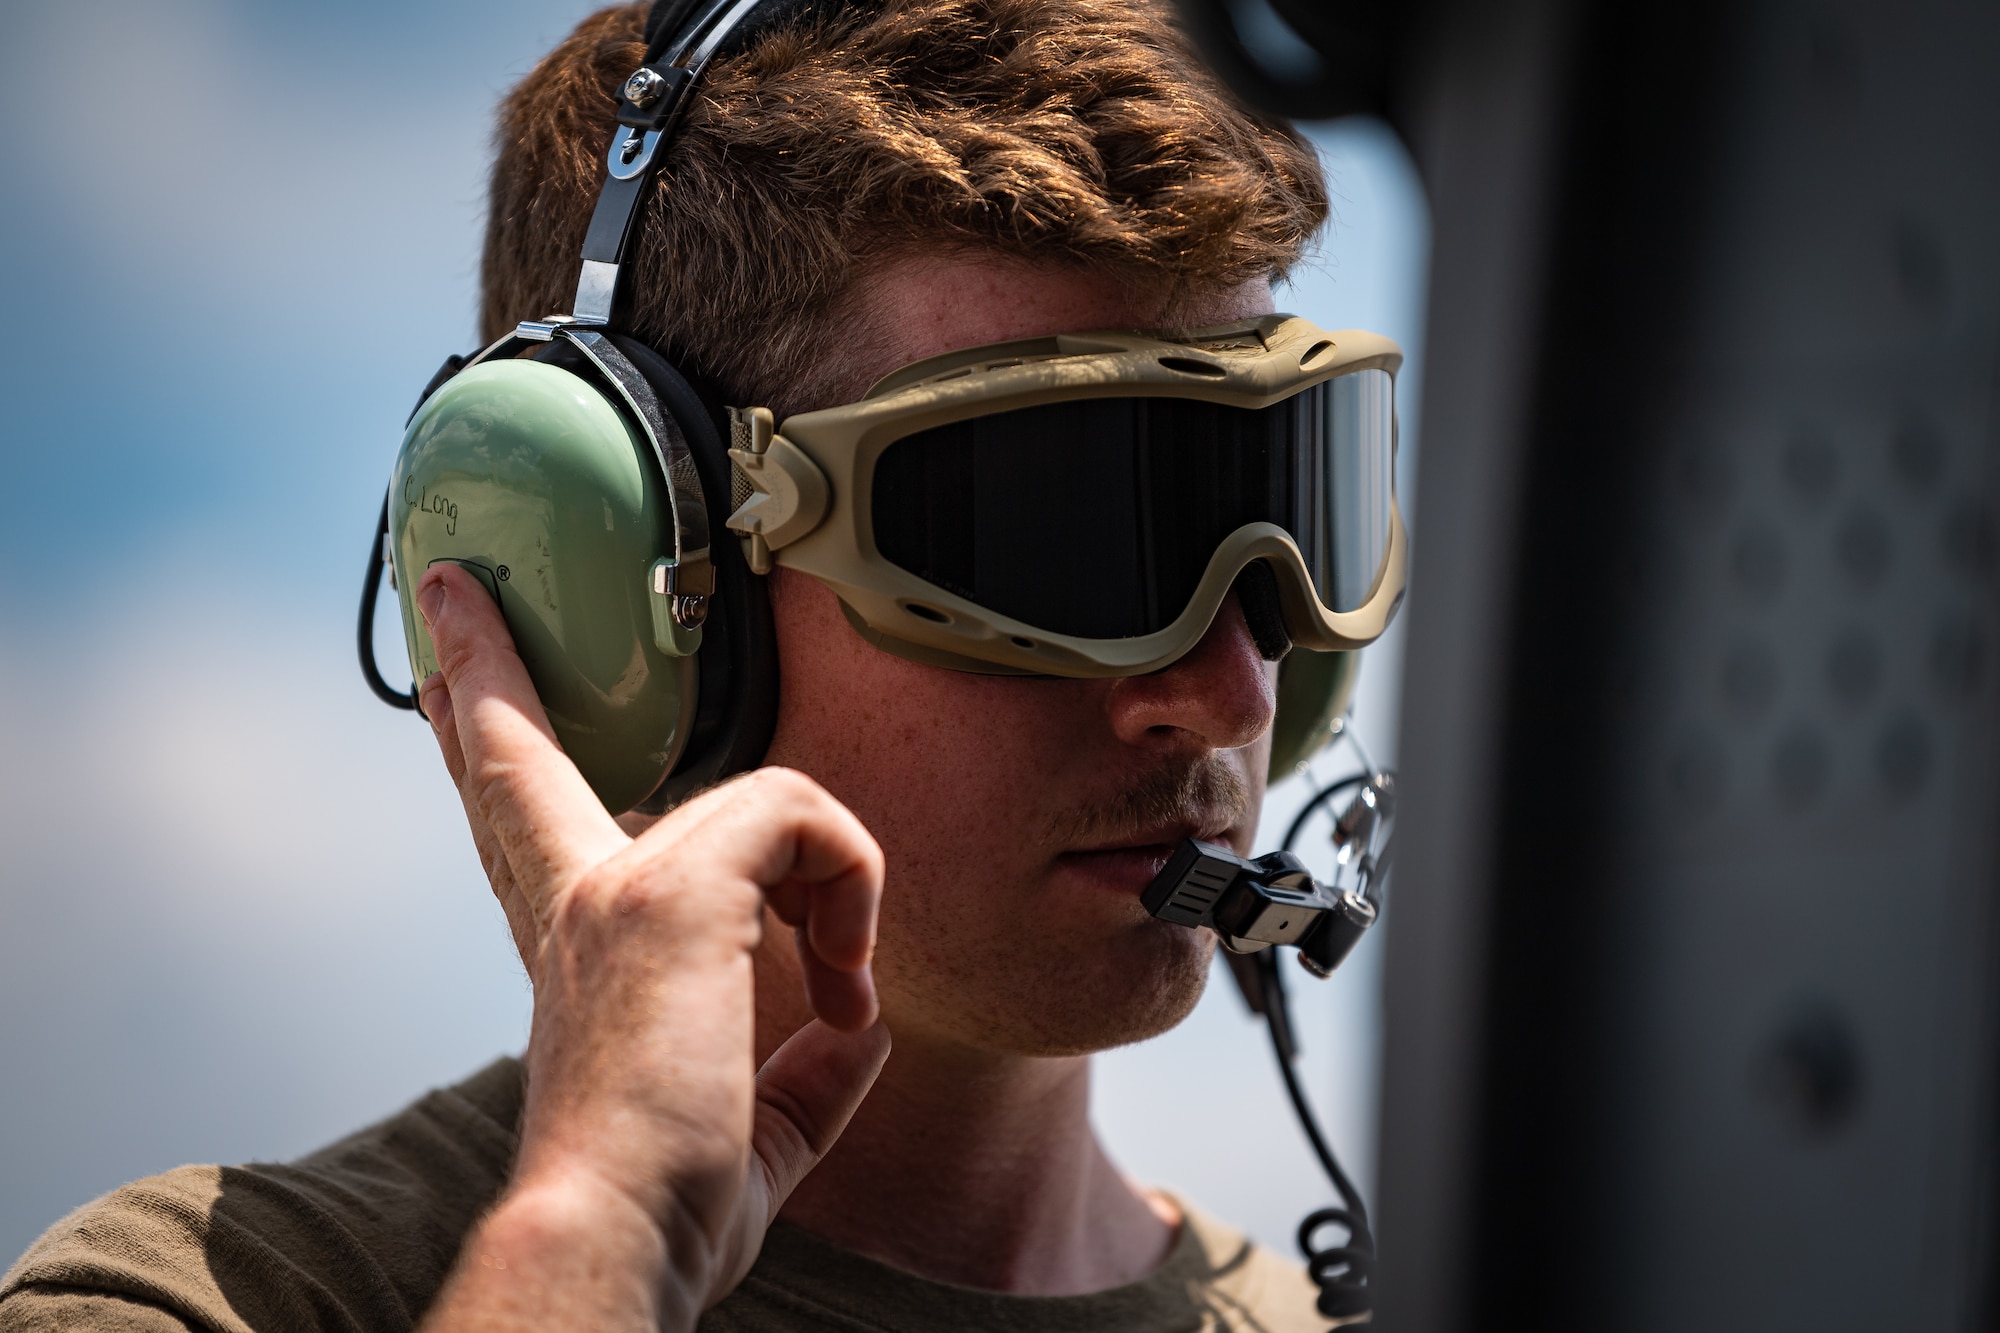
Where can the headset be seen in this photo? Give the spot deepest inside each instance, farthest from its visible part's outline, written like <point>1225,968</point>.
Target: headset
<point>569,435</point>
<point>590,481</point>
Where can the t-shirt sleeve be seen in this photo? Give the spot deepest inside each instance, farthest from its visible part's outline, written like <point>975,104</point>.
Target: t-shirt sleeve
<point>133,1259</point>
<point>36,1308</point>
<point>1247,1288</point>
<point>358,1236</point>
<point>240,1250</point>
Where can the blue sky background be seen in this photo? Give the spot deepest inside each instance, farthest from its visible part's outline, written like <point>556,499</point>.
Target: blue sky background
<point>239,913</point>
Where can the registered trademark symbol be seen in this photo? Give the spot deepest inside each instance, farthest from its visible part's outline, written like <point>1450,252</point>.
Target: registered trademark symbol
<point>502,572</point>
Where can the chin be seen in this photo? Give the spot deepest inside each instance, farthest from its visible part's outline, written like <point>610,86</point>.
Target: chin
<point>1061,996</point>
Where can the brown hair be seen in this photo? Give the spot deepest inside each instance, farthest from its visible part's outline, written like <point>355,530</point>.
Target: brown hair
<point>1078,132</point>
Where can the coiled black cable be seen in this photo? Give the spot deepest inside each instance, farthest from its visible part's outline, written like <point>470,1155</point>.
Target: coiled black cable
<point>1344,1271</point>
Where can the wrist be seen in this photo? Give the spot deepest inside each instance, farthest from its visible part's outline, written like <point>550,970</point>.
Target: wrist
<point>582,1246</point>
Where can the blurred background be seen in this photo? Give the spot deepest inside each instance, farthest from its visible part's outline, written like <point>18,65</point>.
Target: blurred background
<point>239,913</point>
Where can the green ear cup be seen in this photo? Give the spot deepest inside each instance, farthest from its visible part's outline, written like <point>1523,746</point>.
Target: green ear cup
<point>529,477</point>
<point>1313,690</point>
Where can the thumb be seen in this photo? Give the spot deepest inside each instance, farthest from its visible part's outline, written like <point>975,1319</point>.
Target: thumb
<point>806,1093</point>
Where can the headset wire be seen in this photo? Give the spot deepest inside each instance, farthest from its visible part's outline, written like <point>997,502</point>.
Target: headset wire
<point>1318,801</point>
<point>365,630</point>
<point>1343,1272</point>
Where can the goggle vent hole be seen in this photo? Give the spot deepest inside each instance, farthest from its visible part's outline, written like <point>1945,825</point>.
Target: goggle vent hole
<point>930,613</point>
<point>1021,642</point>
<point>1187,365</point>
<point>1315,352</point>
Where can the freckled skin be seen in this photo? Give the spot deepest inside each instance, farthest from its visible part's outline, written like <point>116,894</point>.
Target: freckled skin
<point>984,942</point>
<point>998,969</point>
<point>1010,826</point>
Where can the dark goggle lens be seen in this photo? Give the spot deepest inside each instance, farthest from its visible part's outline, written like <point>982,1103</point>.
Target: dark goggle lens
<point>1097,517</point>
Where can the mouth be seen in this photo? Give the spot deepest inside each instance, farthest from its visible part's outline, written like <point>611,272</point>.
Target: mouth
<point>1131,864</point>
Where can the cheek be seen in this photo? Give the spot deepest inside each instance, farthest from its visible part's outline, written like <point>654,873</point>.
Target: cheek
<point>929,759</point>
<point>959,777</point>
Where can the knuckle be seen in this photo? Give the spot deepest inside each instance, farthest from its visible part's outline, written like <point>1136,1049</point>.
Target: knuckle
<point>489,785</point>
<point>786,786</point>
<point>629,895</point>
<point>455,652</point>
<point>665,898</point>
<point>625,891</point>
<point>797,1129</point>
<point>776,779</point>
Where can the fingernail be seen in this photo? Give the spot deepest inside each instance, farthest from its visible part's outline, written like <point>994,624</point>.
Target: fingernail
<point>430,596</point>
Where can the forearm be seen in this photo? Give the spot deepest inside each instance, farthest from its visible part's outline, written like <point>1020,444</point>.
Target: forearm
<point>573,1254</point>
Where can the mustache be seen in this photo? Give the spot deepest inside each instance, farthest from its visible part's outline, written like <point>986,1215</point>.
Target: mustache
<point>1206,792</point>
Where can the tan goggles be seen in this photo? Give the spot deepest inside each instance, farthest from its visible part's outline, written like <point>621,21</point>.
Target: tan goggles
<point>1080,505</point>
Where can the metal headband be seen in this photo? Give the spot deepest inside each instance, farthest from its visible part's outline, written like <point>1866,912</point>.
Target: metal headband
<point>682,37</point>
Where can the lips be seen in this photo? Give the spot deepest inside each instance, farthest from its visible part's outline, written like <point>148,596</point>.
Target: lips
<point>1130,866</point>
<point>1124,870</point>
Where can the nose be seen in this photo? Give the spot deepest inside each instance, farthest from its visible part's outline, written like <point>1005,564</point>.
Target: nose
<point>1220,695</point>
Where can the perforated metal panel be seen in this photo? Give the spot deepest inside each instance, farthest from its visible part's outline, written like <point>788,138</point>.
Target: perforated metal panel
<point>1692,961</point>
<point>1804,856</point>
<point>1804,872</point>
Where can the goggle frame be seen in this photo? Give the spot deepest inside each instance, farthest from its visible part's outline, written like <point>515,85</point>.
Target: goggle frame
<point>811,482</point>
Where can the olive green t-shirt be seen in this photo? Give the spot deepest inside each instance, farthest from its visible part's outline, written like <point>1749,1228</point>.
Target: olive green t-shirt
<point>362,1234</point>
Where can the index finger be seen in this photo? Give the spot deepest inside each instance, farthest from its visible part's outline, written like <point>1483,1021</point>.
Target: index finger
<point>550,825</point>
<point>817,865</point>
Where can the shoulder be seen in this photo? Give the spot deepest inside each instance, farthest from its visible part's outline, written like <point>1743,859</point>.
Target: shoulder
<point>1244,1286</point>
<point>358,1235</point>
<point>140,1245</point>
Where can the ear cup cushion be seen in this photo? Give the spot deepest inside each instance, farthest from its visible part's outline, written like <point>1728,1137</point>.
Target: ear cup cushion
<point>1313,690</point>
<point>736,710</point>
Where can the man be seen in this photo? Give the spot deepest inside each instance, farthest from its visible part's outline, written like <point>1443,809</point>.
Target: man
<point>947,858</point>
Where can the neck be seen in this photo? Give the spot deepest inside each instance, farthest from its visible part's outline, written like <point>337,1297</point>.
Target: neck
<point>983,1170</point>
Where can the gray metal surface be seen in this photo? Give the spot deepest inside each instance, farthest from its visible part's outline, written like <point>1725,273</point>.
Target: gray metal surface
<point>1807,792</point>
<point>1482,128</point>
<point>1690,1010</point>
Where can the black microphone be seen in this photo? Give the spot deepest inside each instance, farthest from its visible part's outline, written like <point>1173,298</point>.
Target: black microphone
<point>1274,900</point>
<point>1253,905</point>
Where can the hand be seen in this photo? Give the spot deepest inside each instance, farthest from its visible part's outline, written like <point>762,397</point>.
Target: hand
<point>653,1155</point>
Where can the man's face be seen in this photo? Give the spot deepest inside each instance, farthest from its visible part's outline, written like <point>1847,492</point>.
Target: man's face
<point>1021,818</point>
